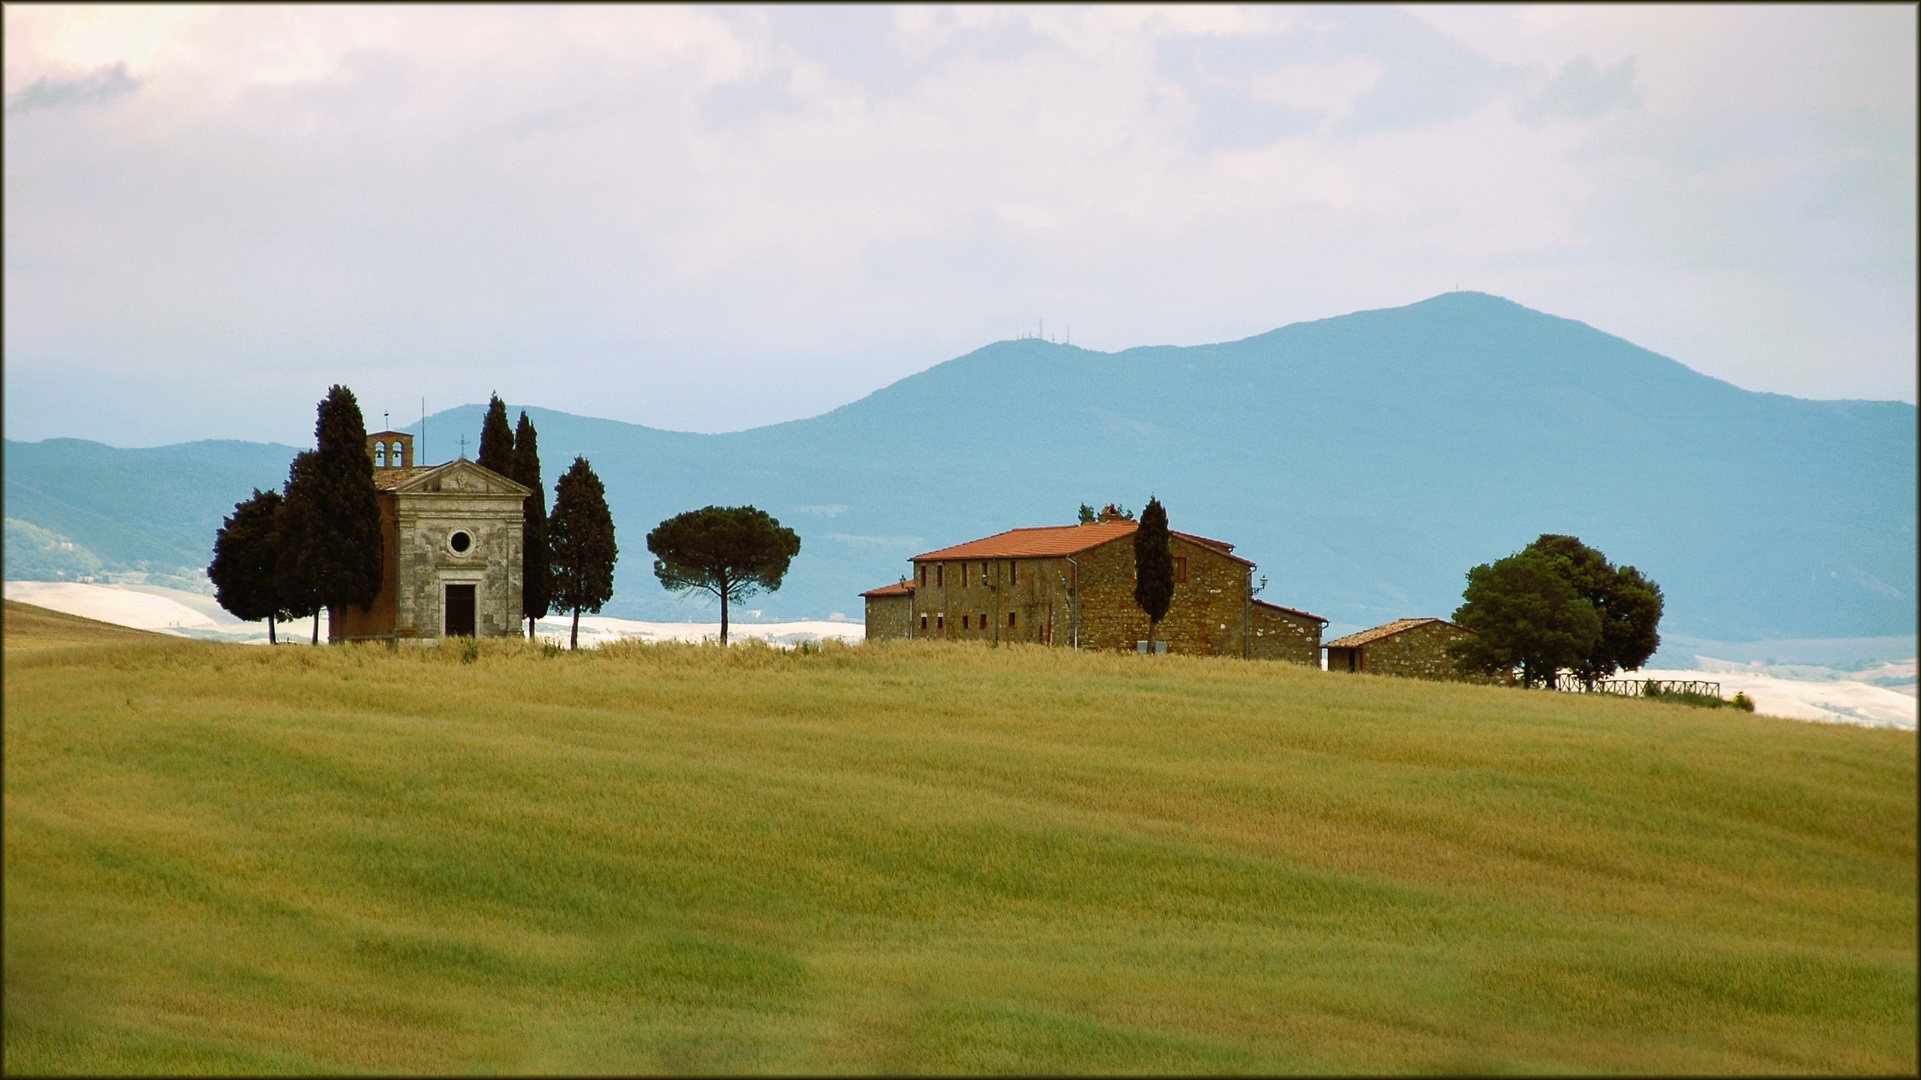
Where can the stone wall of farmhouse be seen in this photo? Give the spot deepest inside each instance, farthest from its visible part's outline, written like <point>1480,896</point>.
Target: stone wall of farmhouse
<point>889,616</point>
<point>1416,652</point>
<point>1011,600</point>
<point>1278,635</point>
<point>1206,616</point>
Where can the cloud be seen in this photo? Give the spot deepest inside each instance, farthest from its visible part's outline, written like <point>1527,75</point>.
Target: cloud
<point>101,86</point>
<point>1581,92</point>
<point>710,218</point>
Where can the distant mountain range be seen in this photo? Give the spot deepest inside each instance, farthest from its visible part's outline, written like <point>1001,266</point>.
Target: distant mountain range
<point>1366,462</point>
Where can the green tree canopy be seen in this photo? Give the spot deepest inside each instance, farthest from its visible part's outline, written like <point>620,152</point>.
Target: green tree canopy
<point>580,544</point>
<point>330,538</point>
<point>535,588</point>
<point>1153,567</point>
<point>296,521</point>
<point>1524,614</point>
<point>496,440</point>
<point>1629,605</point>
<point>732,552</point>
<point>245,551</point>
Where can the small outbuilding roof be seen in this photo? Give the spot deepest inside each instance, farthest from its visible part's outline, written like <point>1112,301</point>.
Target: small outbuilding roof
<point>1054,541</point>
<point>899,588</point>
<point>1386,630</point>
<point>1291,611</point>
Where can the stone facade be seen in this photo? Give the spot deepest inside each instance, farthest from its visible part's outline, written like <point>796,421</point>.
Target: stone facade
<point>452,555</point>
<point>1407,647</point>
<point>1281,633</point>
<point>1074,586</point>
<point>890,611</point>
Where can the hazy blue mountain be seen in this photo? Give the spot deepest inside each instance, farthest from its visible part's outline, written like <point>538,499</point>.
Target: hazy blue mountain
<point>1364,461</point>
<point>131,510</point>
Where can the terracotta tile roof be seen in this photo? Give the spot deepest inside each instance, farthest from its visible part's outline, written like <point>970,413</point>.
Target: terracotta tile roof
<point>389,479</point>
<point>1054,541</point>
<point>1365,637</point>
<point>1290,611</point>
<point>900,588</point>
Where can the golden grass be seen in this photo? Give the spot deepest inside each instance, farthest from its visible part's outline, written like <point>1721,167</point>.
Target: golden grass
<point>921,857</point>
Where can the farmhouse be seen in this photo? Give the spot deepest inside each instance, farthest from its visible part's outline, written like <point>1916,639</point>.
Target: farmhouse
<point>451,542</point>
<point>1073,585</point>
<point>1415,647</point>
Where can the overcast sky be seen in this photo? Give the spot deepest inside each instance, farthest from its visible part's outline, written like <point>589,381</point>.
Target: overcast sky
<point>713,218</point>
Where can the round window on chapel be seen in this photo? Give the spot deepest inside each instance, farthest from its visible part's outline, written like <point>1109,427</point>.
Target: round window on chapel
<point>460,542</point>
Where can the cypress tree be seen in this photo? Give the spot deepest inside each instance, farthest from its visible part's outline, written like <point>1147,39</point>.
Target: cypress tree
<point>1153,567</point>
<point>580,544</point>
<point>244,553</point>
<point>330,541</point>
<point>299,593</point>
<point>496,440</point>
<point>535,583</point>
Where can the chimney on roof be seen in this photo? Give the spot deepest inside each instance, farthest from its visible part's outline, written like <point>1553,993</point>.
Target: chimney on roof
<point>1109,513</point>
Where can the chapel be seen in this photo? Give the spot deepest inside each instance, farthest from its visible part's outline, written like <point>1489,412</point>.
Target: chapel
<point>450,550</point>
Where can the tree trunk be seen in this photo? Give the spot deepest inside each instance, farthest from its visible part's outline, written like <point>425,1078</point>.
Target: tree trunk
<point>270,637</point>
<point>1152,625</point>
<point>573,640</point>
<point>316,627</point>
<point>723,613</point>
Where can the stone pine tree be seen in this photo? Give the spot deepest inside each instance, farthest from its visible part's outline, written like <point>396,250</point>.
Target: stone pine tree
<point>299,592</point>
<point>1524,615</point>
<point>533,563</point>
<point>1153,567</point>
<point>732,552</point>
<point>330,537</point>
<point>1628,603</point>
<point>244,553</point>
<point>497,440</point>
<point>580,545</point>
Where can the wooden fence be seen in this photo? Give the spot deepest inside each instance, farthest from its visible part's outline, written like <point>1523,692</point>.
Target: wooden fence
<point>1638,687</point>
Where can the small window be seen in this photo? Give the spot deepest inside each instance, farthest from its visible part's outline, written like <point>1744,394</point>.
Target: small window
<point>460,542</point>
<point>964,622</point>
<point>963,573</point>
<point>983,620</point>
<point>983,575</point>
<point>923,624</point>
<point>940,576</point>
<point>1180,568</point>
<point>1010,620</point>
<point>940,622</point>
<point>1013,572</point>
<point>923,578</point>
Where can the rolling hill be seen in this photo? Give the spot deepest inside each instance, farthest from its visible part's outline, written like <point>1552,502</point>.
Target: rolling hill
<point>1366,462</point>
<point>925,857</point>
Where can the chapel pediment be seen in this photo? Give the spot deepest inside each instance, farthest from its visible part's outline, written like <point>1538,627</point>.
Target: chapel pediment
<point>460,477</point>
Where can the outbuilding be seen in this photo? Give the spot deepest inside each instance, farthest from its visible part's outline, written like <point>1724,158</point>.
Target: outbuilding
<point>1412,647</point>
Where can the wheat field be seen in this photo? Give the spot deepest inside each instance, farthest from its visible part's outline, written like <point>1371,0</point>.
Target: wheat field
<point>921,857</point>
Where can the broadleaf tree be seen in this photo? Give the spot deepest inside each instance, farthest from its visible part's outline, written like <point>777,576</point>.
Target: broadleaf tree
<point>496,440</point>
<point>331,529</point>
<point>1526,615</point>
<point>245,551</point>
<point>1627,601</point>
<point>535,583</point>
<point>1153,567</point>
<point>580,545</point>
<point>732,552</point>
